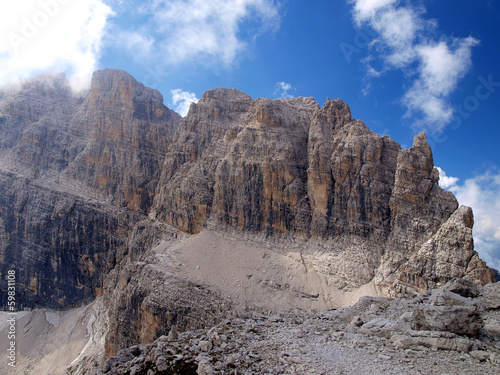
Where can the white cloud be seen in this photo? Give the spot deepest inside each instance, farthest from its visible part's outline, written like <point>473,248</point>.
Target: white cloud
<point>445,181</point>
<point>367,8</point>
<point>482,193</point>
<point>407,41</point>
<point>139,44</point>
<point>182,101</point>
<point>51,35</point>
<point>282,90</point>
<point>205,31</point>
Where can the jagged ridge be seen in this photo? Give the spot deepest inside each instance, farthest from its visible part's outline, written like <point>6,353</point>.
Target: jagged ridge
<point>90,184</point>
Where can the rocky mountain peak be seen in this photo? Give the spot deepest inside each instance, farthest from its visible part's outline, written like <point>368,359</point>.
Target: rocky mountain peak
<point>339,111</point>
<point>97,192</point>
<point>224,95</point>
<point>116,89</point>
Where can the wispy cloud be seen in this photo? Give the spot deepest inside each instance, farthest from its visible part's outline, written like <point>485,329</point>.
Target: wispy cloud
<point>52,35</point>
<point>433,63</point>
<point>283,90</point>
<point>482,193</point>
<point>207,32</point>
<point>182,101</point>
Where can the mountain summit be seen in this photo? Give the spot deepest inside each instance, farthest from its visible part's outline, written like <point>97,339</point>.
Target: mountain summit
<point>98,193</point>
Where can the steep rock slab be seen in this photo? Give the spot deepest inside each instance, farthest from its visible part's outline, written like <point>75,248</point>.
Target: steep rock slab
<point>261,180</point>
<point>60,245</point>
<point>60,152</point>
<point>448,254</point>
<point>350,175</point>
<point>185,192</point>
<point>418,207</point>
<point>127,129</point>
<point>34,138</point>
<point>238,161</point>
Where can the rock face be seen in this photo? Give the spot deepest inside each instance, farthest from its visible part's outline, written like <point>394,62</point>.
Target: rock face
<point>239,161</point>
<point>61,246</point>
<point>91,183</point>
<point>290,167</point>
<point>76,174</point>
<point>127,130</point>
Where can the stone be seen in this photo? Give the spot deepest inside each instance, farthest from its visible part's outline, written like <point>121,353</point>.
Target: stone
<point>491,331</point>
<point>443,343</point>
<point>480,355</point>
<point>382,327</point>
<point>205,346</point>
<point>205,368</point>
<point>462,320</point>
<point>162,364</point>
<point>173,334</point>
<point>447,298</point>
<point>491,296</point>
<point>462,287</point>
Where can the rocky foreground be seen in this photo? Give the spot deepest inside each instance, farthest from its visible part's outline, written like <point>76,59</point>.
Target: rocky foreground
<point>451,330</point>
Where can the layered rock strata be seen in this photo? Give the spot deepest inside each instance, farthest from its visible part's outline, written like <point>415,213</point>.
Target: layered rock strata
<point>77,172</point>
<point>91,183</point>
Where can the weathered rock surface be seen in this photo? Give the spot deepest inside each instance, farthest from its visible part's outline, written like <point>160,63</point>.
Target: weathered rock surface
<point>90,184</point>
<point>76,175</point>
<point>127,130</point>
<point>445,254</point>
<point>491,293</point>
<point>61,246</point>
<point>374,336</point>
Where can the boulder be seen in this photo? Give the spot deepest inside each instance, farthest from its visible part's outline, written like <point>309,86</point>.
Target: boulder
<point>491,296</point>
<point>462,320</point>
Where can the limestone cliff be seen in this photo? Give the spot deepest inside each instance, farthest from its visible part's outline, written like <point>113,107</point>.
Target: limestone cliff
<point>91,184</point>
<point>76,174</point>
<point>289,166</point>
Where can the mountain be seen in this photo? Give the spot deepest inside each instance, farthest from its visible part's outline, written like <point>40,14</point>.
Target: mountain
<point>111,194</point>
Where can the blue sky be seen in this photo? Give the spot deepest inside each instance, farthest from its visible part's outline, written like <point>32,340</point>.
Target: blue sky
<point>402,66</point>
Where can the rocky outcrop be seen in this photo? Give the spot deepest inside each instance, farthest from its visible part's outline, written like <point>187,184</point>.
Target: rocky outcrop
<point>377,335</point>
<point>240,162</point>
<point>445,254</point>
<point>60,245</point>
<point>91,184</point>
<point>350,175</point>
<point>76,175</point>
<point>127,130</point>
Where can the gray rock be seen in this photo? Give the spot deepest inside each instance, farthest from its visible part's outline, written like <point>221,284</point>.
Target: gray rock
<point>480,355</point>
<point>491,296</point>
<point>463,287</point>
<point>382,327</point>
<point>462,320</point>
<point>205,346</point>
<point>205,368</point>
<point>173,334</point>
